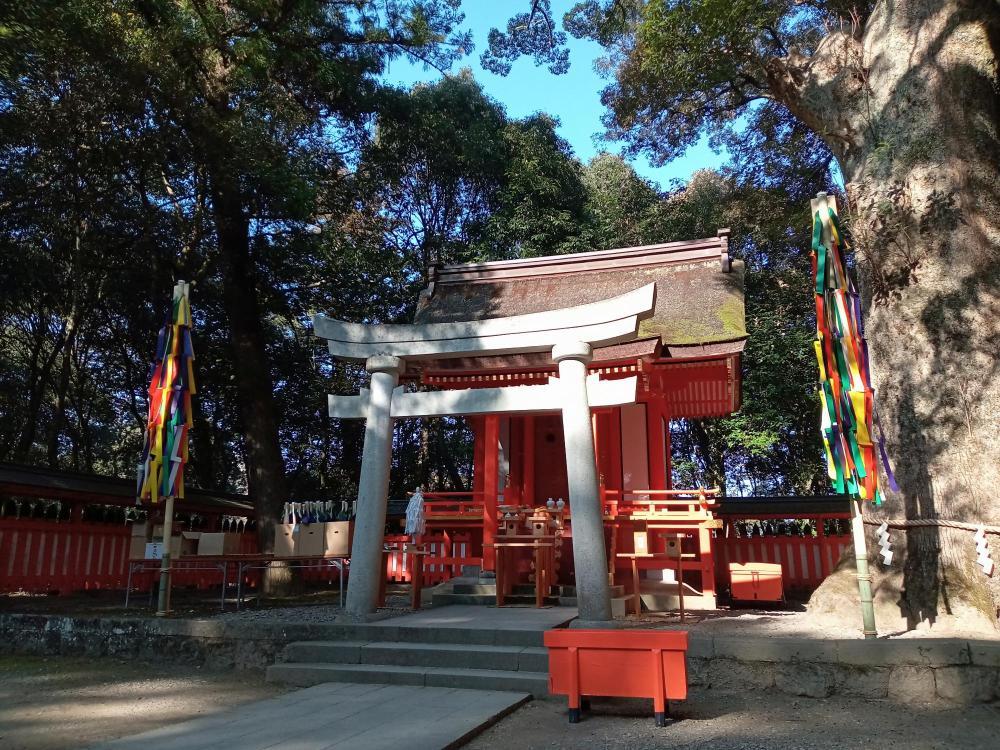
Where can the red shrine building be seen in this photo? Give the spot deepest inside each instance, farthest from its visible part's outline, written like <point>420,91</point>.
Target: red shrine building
<point>686,357</point>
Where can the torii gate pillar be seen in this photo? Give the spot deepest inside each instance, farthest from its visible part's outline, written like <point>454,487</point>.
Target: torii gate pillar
<point>589,556</point>
<point>373,489</point>
<point>569,334</point>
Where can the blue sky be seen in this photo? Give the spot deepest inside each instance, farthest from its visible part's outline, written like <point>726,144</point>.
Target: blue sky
<point>575,97</point>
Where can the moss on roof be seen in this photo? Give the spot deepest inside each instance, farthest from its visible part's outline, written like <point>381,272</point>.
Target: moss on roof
<point>696,303</point>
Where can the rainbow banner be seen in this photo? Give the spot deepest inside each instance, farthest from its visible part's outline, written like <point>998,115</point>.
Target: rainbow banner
<point>165,450</point>
<point>848,401</point>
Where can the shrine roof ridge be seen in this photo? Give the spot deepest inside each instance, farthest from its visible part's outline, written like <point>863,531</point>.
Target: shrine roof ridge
<point>659,254</point>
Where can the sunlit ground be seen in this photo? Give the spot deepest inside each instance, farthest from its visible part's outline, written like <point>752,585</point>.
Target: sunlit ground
<point>67,702</point>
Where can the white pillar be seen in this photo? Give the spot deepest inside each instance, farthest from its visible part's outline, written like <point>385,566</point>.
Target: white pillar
<point>590,558</point>
<point>373,489</point>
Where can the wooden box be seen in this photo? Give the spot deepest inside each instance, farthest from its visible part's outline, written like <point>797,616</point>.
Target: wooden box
<point>218,543</point>
<point>337,537</point>
<point>285,535</point>
<point>190,541</point>
<point>756,582</point>
<point>311,540</point>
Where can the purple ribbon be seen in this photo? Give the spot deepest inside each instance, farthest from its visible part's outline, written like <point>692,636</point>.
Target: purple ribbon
<point>882,452</point>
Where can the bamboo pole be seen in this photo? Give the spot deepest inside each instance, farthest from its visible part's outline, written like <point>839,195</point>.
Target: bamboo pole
<point>163,603</point>
<point>820,204</point>
<point>864,578</point>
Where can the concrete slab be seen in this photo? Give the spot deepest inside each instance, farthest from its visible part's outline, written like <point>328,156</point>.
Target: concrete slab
<point>338,715</point>
<point>468,617</point>
<point>303,675</point>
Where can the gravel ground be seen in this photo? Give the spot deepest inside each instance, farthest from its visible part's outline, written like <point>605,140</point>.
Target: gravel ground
<point>775,623</point>
<point>712,720</point>
<point>313,607</point>
<point>57,703</point>
<point>793,621</point>
<point>396,604</point>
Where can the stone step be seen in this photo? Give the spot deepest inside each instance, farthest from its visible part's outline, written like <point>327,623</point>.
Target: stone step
<point>528,589</point>
<point>388,630</point>
<point>490,600</point>
<point>490,589</point>
<point>475,589</point>
<point>569,592</point>
<point>620,605</point>
<point>305,675</point>
<point>394,653</point>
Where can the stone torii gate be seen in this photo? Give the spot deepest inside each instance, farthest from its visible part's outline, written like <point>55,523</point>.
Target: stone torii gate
<point>569,333</point>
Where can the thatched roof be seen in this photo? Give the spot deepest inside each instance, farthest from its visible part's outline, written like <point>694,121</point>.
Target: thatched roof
<point>699,291</point>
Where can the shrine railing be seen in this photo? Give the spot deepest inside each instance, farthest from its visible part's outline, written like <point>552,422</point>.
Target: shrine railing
<point>665,504</point>
<point>454,505</point>
<point>448,553</point>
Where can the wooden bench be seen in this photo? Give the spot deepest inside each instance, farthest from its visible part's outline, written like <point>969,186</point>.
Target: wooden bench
<point>618,663</point>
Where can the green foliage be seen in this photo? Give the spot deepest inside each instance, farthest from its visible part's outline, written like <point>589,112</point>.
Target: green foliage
<point>621,205</point>
<point>141,142</point>
<point>456,180</point>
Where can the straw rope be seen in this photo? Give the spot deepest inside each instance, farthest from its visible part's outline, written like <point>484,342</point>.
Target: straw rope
<point>918,522</point>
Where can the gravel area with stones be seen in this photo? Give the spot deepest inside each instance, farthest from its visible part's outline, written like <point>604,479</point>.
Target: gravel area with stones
<point>309,613</point>
<point>715,720</point>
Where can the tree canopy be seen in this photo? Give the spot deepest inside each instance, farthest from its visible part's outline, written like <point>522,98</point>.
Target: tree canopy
<point>254,149</point>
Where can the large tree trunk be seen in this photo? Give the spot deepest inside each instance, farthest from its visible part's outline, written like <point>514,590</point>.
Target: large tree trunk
<point>265,465</point>
<point>910,106</point>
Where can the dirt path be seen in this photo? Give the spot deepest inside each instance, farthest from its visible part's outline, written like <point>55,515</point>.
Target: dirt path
<point>57,703</point>
<point>711,720</point>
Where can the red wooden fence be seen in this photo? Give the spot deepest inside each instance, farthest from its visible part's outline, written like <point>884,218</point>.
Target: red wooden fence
<point>41,557</point>
<point>805,561</point>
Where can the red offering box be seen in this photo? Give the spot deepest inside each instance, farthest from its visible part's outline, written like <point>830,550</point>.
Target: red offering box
<point>756,582</point>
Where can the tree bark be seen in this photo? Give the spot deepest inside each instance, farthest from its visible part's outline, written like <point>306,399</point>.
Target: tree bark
<point>910,107</point>
<point>712,454</point>
<point>62,388</point>
<point>265,464</point>
<point>38,379</point>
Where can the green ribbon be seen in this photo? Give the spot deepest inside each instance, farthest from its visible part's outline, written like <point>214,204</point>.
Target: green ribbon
<point>820,250</point>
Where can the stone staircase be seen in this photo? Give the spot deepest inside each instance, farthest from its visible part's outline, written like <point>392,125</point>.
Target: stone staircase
<point>434,657</point>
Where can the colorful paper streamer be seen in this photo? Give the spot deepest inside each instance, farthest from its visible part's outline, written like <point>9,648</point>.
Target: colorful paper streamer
<point>848,414</point>
<point>165,448</point>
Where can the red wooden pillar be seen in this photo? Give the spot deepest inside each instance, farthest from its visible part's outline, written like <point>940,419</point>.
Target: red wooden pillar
<point>614,478</point>
<point>491,479</point>
<point>707,560</point>
<point>597,429</point>
<point>665,416</point>
<point>655,444</point>
<point>515,466</point>
<point>528,466</point>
